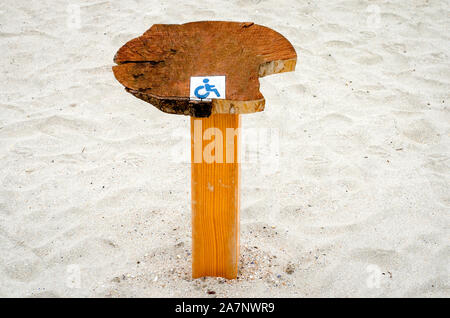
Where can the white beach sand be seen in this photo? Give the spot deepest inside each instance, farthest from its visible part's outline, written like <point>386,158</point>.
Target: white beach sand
<point>94,201</point>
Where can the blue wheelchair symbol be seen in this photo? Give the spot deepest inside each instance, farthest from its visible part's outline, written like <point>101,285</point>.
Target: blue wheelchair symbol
<point>208,88</point>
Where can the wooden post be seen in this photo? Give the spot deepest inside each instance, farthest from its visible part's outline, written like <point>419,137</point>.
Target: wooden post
<point>215,195</point>
<point>160,67</point>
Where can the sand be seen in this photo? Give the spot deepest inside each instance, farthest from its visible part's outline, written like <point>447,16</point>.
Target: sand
<point>353,201</point>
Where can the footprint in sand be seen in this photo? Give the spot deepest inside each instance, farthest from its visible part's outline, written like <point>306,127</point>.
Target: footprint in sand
<point>421,131</point>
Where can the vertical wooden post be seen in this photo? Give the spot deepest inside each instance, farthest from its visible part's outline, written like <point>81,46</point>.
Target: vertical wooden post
<point>215,195</point>
<point>160,68</point>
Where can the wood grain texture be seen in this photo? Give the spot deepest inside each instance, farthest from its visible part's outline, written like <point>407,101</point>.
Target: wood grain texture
<point>215,199</point>
<point>156,67</point>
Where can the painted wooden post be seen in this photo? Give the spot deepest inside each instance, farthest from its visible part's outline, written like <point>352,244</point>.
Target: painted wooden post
<point>208,70</point>
<point>215,195</point>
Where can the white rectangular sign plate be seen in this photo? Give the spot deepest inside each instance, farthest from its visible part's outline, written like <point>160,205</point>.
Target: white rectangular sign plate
<point>207,87</point>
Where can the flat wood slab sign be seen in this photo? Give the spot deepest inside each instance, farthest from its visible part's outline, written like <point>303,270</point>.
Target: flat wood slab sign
<point>157,66</point>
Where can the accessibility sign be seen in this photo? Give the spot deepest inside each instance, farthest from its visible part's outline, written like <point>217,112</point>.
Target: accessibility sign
<point>207,87</point>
